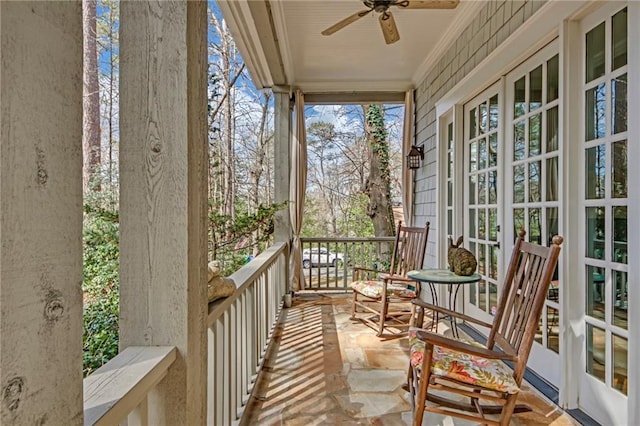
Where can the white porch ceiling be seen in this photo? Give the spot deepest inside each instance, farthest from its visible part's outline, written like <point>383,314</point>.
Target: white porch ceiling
<point>281,43</point>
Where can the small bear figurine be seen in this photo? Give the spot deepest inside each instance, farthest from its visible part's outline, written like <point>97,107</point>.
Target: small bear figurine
<point>461,260</point>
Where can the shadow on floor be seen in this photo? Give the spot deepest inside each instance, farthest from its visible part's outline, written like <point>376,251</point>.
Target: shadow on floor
<point>325,369</point>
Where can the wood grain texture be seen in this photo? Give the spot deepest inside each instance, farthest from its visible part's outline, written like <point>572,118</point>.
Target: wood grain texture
<point>41,213</point>
<point>163,196</point>
<point>282,161</point>
<point>118,387</point>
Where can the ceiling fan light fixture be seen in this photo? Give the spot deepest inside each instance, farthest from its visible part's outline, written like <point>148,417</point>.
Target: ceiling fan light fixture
<point>387,22</point>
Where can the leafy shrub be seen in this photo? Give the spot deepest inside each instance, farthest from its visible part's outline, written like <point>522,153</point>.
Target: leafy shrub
<point>100,284</point>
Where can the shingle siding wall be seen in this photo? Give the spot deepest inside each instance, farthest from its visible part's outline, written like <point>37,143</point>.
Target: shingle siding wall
<point>494,23</point>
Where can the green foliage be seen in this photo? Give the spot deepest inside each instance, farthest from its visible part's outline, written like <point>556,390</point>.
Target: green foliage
<point>100,283</point>
<point>379,141</point>
<point>236,238</point>
<point>355,222</point>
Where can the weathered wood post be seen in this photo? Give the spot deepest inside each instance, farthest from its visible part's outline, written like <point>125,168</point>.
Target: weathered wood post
<point>163,157</point>
<point>282,160</point>
<point>41,213</point>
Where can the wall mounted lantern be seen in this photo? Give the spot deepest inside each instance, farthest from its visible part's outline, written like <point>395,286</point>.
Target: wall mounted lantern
<point>414,157</point>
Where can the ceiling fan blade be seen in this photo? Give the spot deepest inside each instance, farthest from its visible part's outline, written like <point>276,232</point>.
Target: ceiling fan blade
<point>346,21</point>
<point>389,29</point>
<point>428,4</point>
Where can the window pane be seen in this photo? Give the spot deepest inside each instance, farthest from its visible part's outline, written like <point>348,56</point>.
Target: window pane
<point>482,111</point>
<point>518,220</point>
<point>535,227</point>
<point>619,368</point>
<point>472,189</point>
<point>552,223</point>
<point>473,165</point>
<point>472,294</point>
<point>482,154</point>
<point>619,170</point>
<point>482,294</point>
<point>552,79</point>
<point>535,89</point>
<point>552,179</point>
<point>472,123</point>
<point>482,224</point>
<point>619,38</point>
<point>595,172</point>
<point>595,53</point>
<point>493,297</point>
<point>518,184</point>
<point>553,329</point>
<point>482,264</point>
<point>595,232</point>
<point>493,262</point>
<point>552,129</point>
<point>620,234</point>
<point>619,104</point>
<point>493,224</point>
<point>449,222</point>
<point>620,300</point>
<point>595,292</point>
<point>493,149</point>
<point>518,141</point>
<point>535,134</point>
<point>534,182</point>
<point>595,105</point>
<point>472,224</point>
<point>493,190</point>
<point>595,351</point>
<point>482,188</point>
<point>493,113</point>
<point>519,106</point>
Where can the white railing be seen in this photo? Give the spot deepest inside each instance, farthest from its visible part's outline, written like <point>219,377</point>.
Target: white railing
<point>118,390</point>
<point>321,273</point>
<point>240,328</point>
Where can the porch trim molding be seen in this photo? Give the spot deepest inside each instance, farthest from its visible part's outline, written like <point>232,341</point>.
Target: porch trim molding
<point>248,40</point>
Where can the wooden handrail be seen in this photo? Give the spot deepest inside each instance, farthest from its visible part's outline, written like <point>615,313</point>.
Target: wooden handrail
<point>244,277</point>
<point>117,388</point>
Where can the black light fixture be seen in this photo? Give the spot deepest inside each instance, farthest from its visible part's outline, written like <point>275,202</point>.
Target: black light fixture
<point>415,155</point>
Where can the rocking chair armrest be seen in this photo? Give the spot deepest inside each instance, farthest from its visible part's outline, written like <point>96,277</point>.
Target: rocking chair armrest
<point>460,346</point>
<point>391,277</point>
<point>359,268</point>
<point>449,312</point>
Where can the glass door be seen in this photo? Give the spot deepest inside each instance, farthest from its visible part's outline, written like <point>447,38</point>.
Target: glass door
<point>533,147</point>
<point>604,269</point>
<point>482,198</point>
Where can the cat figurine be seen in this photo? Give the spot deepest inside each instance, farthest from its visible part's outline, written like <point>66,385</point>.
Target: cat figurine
<point>461,260</point>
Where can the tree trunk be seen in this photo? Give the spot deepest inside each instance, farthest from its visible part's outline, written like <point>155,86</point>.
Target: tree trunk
<point>91,99</point>
<point>378,186</point>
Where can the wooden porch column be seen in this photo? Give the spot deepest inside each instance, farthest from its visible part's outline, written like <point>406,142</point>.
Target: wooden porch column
<point>163,233</point>
<point>41,213</point>
<point>282,161</point>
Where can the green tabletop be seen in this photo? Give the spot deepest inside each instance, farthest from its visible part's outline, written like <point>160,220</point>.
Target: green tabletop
<point>442,276</point>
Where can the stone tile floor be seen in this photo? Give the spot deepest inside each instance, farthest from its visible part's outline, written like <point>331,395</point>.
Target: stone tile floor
<point>325,369</point>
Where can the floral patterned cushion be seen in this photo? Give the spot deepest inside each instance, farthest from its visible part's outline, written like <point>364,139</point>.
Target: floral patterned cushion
<point>373,289</point>
<point>465,368</point>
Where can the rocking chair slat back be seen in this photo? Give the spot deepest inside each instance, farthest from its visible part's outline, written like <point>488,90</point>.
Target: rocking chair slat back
<point>409,249</point>
<point>526,284</point>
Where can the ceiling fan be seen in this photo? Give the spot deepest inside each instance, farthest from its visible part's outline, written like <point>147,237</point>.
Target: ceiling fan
<point>387,23</point>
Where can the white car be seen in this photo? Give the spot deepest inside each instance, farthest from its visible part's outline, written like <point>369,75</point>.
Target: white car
<point>320,257</point>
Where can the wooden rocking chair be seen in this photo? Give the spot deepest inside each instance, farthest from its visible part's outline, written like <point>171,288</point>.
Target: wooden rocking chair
<point>373,296</point>
<point>462,370</point>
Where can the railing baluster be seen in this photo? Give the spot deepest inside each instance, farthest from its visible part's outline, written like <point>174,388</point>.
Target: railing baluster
<point>140,415</point>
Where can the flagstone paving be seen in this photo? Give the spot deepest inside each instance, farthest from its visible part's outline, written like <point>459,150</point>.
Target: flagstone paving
<point>326,369</point>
